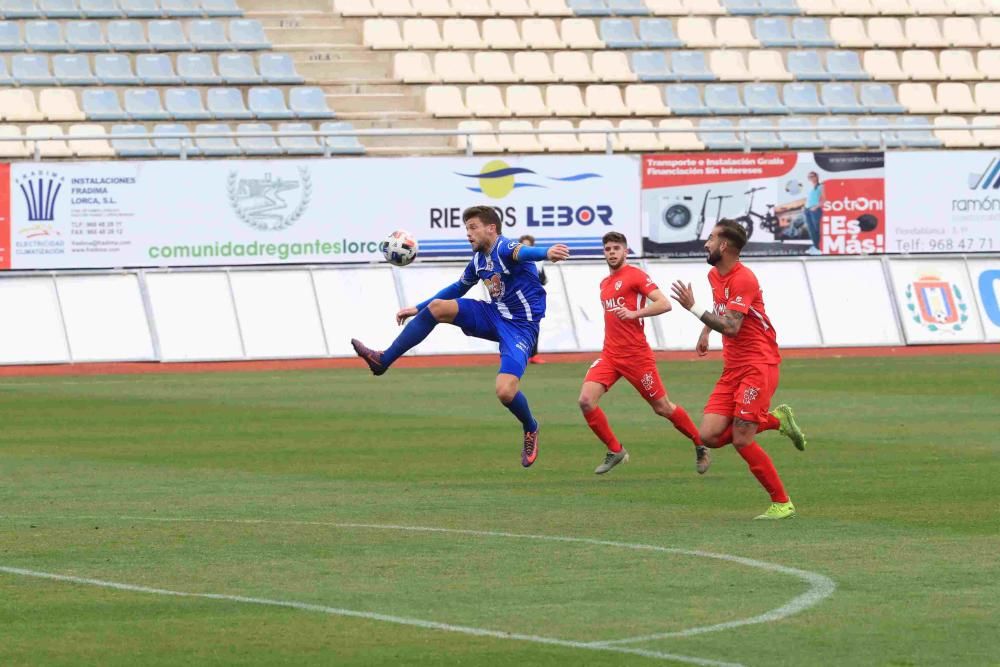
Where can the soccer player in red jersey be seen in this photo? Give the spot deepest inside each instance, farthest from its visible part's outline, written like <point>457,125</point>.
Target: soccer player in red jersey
<point>738,408</point>
<point>626,353</point>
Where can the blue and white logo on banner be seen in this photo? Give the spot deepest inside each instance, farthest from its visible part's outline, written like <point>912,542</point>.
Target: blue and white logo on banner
<point>40,190</point>
<point>989,292</point>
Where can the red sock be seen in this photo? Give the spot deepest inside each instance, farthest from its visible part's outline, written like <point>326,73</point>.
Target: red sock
<point>763,469</point>
<point>682,422</point>
<point>770,423</point>
<point>598,423</point>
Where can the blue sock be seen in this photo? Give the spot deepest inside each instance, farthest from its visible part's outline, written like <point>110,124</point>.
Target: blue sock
<point>410,337</point>
<point>519,406</point>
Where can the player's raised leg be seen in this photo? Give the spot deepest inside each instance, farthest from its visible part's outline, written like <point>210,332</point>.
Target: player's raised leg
<point>590,395</point>
<point>787,426</point>
<point>438,310</point>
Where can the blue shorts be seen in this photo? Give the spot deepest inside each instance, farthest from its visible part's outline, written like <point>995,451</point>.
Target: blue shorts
<point>516,337</point>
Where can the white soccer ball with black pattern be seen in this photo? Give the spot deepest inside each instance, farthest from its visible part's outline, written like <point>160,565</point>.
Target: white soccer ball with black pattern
<point>400,248</point>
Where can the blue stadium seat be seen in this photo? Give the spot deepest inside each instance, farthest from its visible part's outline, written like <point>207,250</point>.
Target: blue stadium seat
<point>807,66</point>
<point>85,36</point>
<point>248,35</point>
<point>44,36</point>
<point>880,98</point>
<point>724,99</point>
<point>628,8</point>
<point>168,36</point>
<point>167,146</point>
<point>5,78</point>
<point>197,68</point>
<point>760,140</point>
<point>73,70</point>
<point>216,146</point>
<point>20,9</point>
<point>309,102</point>
<point>141,9</point>
<point>619,34</point>
<point>773,31</point>
<point>876,138</point>
<point>922,138</point>
<point>126,147</point>
<point>102,104</point>
<point>658,34</point>
<point>840,98</point>
<point>60,9</point>
<point>763,98</point>
<point>685,99</point>
<point>589,7</point>
<point>156,69</point>
<point>278,68</point>
<point>691,66</point>
<point>269,103</point>
<point>719,140</point>
<point>238,68</point>
<point>838,133</point>
<point>810,32</point>
<point>208,35</point>
<point>227,103</point>
<point>181,8</point>
<point>185,104</point>
<point>845,66</point>
<point>127,36</point>
<point>742,7</point>
<point>299,145</point>
<point>100,9</point>
<point>802,98</point>
<point>348,145</point>
<point>221,8</point>
<point>257,145</point>
<point>786,7</point>
<point>31,70</point>
<point>651,66</point>
<point>806,140</point>
<point>114,69</point>
<point>10,36</point>
<point>144,104</point>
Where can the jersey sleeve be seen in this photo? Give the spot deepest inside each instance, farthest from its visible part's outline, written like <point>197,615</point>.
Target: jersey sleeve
<point>742,291</point>
<point>469,275</point>
<point>508,251</point>
<point>644,283</point>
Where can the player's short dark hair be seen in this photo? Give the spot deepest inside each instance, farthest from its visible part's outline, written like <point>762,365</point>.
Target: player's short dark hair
<point>486,214</point>
<point>733,232</point>
<point>527,238</point>
<point>614,237</point>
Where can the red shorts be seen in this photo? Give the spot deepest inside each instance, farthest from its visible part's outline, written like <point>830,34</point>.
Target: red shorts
<point>744,392</point>
<point>640,372</point>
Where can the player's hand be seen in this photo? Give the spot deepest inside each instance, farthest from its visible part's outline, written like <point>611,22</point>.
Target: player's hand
<point>405,314</point>
<point>682,294</point>
<point>702,347</point>
<point>625,314</point>
<point>558,252</point>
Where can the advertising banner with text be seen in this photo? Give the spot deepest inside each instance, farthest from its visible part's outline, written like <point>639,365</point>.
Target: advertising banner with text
<point>200,213</point>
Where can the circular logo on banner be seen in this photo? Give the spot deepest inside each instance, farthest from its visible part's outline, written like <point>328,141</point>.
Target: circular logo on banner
<point>269,203</point>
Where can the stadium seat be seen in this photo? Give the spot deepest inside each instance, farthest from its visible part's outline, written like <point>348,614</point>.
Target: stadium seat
<point>965,6</point>
<point>102,104</point>
<point>541,34</point>
<point>185,104</point>
<point>783,7</point>
<point>734,32</point>
<point>812,33</point>
<point>573,66</point>
<point>559,143</point>
<point>838,133</point>
<point>880,98</point>
<point>167,36</point>
<point>215,146</point>
<point>805,138</point>
<point>410,67</point>
<point>690,66</point>
<point>758,138</point>
<point>197,69</point>
<point>651,66</point>
<point>641,141</point>
<point>479,143</point>
<point>956,97</point>
<point>958,65</point>
<point>209,35</point>
<point>921,136</point>
<point>462,34</point>
<point>502,34</point>
<point>724,140</point>
<point>50,140</point>
<point>73,70</point>
<point>619,34</point>
<point>818,7</point>
<point>645,100</point>
<point>445,102</point>
<point>658,34</point>
<point>923,32</point>
<point>134,147</point>
<point>988,61</point>
<point>565,100</point>
<point>227,103</point>
<point>5,77</point>
<point>486,101</point>
<point>703,7</point>
<point>44,36</point>
<point>884,66</point>
<point>10,37</point>
<point>127,36</point>
<point>181,8</point>
<point>156,69</point>
<point>628,7</point>
<point>986,130</point>
<point>115,69</point>
<point>849,32</point>
<point>59,104</point>
<point>393,8</point>
<point>742,7</point>
<point>894,7</point>
<point>170,146</point>
<point>771,31</point>
<point>762,98</point>
<point>59,9</point>
<point>856,7</point>
<point>605,100</point>
<point>85,36</point>
<point>343,144</point>
<point>840,98</point>
<point>962,31</point>
<point>988,97</point>
<point>802,98</point>
<point>507,8</point>
<point>596,142</point>
<point>589,7</point>
<point>526,101</point>
<point>518,143</point>
<point>666,7</point>
<point>612,66</point>
<point>807,66</point>
<point>549,8</point>
<point>580,34</point>
<point>382,34</point>
<point>451,67</point>
<point>268,103</point>
<point>238,68</point>
<point>920,66</point>
<point>954,138</point>
<point>140,9</point>
<point>885,33</point>
<point>422,34</point>
<point>20,9</point>
<point>31,70</point>
<point>724,99</point>
<point>533,67</point>
<point>19,105</point>
<point>89,148</point>
<point>247,35</point>
<point>679,141</point>
<point>729,66</point>
<point>494,67</point>
<point>685,99</point>
<point>918,98</point>
<point>100,9</point>
<point>144,104</point>
<point>876,138</point>
<point>845,66</point>
<point>302,145</point>
<point>767,66</point>
<point>696,33</point>
<point>221,8</point>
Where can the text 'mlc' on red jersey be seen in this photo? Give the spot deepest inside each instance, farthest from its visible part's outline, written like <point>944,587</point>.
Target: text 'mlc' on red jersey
<point>756,343</point>
<point>626,288</point>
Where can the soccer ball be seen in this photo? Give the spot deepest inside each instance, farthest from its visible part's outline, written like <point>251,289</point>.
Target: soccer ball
<point>400,248</point>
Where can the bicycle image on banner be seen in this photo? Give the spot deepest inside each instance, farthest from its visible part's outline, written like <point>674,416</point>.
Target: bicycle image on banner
<point>789,203</point>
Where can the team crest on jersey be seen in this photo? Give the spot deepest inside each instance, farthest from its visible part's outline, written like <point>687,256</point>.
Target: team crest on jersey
<point>647,381</point>
<point>749,394</point>
<point>489,263</point>
<point>618,285</point>
<point>495,286</point>
<point>725,293</point>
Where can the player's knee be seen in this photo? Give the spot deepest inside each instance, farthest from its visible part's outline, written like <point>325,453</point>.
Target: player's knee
<point>586,403</point>
<point>506,391</point>
<point>709,438</point>
<point>438,308</point>
<point>664,408</point>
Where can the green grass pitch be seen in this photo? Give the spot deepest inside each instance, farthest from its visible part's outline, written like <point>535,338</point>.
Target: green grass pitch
<point>897,495</point>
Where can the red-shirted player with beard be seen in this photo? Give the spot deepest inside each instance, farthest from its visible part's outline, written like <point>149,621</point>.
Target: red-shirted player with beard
<point>738,408</point>
<point>626,353</point>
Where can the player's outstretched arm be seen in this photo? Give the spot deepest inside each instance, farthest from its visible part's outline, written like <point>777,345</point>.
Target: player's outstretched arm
<point>728,324</point>
<point>553,253</point>
<point>658,304</point>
